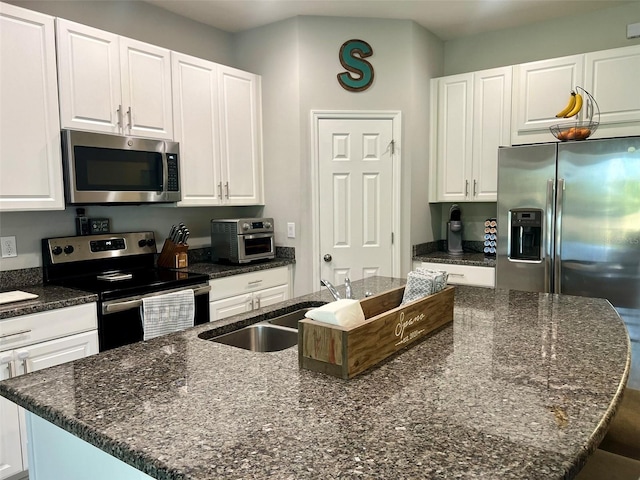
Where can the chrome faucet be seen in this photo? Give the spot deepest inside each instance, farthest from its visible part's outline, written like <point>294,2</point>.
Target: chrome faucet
<point>331,288</point>
<point>347,288</point>
<point>348,293</point>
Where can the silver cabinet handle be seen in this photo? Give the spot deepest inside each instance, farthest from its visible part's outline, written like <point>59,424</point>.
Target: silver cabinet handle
<point>220,190</point>
<point>8,359</point>
<point>254,282</point>
<point>24,355</point>
<point>257,302</point>
<point>19,332</point>
<point>466,188</point>
<point>130,116</point>
<point>475,182</point>
<point>226,186</point>
<point>119,115</point>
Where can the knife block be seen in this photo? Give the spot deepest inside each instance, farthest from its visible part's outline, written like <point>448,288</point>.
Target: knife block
<point>173,255</point>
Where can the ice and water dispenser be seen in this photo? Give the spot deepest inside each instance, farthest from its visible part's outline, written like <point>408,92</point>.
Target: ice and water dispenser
<point>526,234</point>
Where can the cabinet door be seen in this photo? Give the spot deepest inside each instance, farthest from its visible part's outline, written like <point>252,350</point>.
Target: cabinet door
<point>197,128</point>
<point>491,129</point>
<point>228,307</point>
<point>89,67</point>
<point>30,155</point>
<point>454,137</point>
<point>241,136</point>
<point>270,296</point>
<point>11,440</point>
<point>56,352</point>
<point>541,89</point>
<point>612,78</point>
<point>146,89</point>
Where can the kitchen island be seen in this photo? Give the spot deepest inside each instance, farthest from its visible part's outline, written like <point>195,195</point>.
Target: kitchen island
<point>520,386</point>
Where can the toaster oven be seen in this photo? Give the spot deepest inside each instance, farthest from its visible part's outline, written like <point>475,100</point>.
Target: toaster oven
<point>242,240</point>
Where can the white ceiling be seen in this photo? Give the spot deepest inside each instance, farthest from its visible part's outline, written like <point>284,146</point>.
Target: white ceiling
<point>448,19</point>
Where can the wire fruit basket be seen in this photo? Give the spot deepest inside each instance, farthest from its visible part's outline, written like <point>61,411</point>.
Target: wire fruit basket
<point>579,129</point>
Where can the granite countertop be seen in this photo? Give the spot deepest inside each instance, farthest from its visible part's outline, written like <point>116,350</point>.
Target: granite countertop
<point>215,270</point>
<point>49,298</point>
<point>520,386</point>
<point>467,258</point>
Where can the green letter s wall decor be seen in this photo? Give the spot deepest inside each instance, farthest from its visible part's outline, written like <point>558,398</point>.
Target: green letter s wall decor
<point>352,53</point>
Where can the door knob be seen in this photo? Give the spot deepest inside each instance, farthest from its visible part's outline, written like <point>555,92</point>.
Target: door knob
<point>327,257</point>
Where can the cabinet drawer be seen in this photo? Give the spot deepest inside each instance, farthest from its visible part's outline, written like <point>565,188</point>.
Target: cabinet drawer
<point>247,282</point>
<point>466,274</point>
<point>38,327</point>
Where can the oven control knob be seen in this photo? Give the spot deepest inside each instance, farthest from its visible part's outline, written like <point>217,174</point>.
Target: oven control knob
<point>267,225</point>
<point>142,243</point>
<point>245,226</point>
<point>151,242</point>
<point>56,250</point>
<point>68,249</point>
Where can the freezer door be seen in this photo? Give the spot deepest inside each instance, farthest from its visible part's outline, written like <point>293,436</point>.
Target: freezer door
<point>598,240</point>
<point>526,195</point>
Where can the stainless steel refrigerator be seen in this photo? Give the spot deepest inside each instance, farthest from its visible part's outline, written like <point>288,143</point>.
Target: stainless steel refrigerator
<point>569,222</point>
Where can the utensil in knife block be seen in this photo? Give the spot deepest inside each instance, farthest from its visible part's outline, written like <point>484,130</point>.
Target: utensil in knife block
<point>173,255</point>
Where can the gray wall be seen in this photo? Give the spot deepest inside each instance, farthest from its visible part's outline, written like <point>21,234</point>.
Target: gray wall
<point>298,61</point>
<point>580,33</point>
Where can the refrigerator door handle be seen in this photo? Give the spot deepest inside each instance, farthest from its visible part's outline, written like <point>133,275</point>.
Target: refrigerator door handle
<point>548,232</point>
<point>557,261</point>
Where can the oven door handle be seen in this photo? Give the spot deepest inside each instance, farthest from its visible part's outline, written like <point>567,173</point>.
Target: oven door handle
<point>130,303</point>
<point>254,236</point>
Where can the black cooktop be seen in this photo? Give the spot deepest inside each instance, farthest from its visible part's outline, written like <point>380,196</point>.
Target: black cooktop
<point>126,283</point>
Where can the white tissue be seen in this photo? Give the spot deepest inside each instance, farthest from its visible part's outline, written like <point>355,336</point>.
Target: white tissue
<point>345,313</point>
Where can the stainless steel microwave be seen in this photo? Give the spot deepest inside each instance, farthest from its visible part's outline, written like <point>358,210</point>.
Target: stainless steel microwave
<point>100,168</point>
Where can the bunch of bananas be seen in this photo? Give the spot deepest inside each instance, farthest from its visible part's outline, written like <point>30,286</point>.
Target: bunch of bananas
<point>573,107</point>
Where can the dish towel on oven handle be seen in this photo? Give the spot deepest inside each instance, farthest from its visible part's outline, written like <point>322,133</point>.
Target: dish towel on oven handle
<point>167,313</point>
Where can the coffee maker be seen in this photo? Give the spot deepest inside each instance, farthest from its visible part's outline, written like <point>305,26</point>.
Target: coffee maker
<point>454,231</point>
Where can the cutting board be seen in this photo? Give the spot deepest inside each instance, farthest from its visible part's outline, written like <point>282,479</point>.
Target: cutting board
<point>15,296</point>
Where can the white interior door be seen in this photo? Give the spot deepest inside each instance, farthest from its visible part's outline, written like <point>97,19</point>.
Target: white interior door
<point>355,185</point>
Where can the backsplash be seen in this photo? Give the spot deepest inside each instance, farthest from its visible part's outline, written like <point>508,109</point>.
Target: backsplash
<point>470,246</point>
<point>14,279</point>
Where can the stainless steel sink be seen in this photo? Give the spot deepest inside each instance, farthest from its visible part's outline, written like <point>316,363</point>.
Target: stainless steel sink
<point>289,319</point>
<point>260,337</point>
<point>266,336</point>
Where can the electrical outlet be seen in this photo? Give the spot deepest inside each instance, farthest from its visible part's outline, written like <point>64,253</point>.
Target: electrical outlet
<point>8,246</point>
<point>291,230</point>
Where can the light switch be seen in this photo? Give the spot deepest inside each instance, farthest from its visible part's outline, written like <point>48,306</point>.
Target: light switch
<point>291,230</point>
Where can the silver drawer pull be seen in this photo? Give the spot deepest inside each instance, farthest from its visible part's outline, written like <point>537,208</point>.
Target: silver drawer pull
<point>255,282</point>
<point>21,332</point>
<point>456,274</point>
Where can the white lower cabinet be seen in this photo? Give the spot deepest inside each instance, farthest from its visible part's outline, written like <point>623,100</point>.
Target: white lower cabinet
<point>464,274</point>
<point>69,342</point>
<point>248,291</point>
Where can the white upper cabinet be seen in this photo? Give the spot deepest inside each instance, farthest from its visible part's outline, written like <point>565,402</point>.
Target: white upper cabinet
<point>541,89</point>
<point>113,84</point>
<point>612,77</point>
<point>197,129</point>
<point>217,113</point>
<point>30,155</point>
<point>241,136</point>
<point>470,120</point>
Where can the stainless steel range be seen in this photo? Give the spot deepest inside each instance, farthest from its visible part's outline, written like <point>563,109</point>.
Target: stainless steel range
<point>120,268</point>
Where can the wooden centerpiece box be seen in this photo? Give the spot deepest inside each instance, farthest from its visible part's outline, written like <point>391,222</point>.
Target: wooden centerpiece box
<point>389,327</point>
